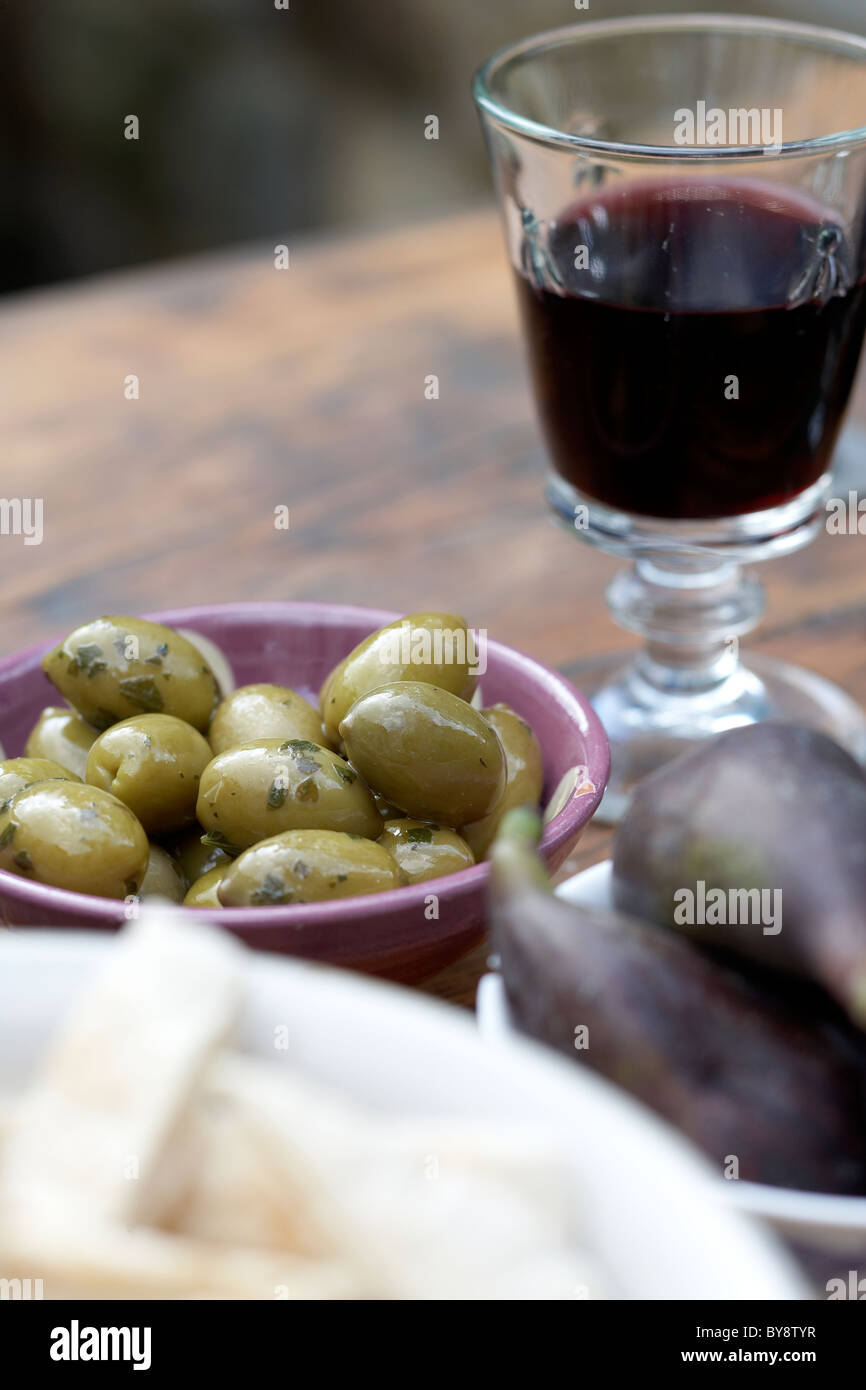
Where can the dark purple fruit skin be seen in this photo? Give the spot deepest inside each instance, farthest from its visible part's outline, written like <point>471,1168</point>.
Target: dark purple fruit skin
<point>769,1072</point>
<point>770,806</point>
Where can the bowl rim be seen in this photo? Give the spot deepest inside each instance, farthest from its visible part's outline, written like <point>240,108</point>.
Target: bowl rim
<point>561,828</point>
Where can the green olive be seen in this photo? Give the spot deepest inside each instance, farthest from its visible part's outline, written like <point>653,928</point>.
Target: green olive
<point>63,736</point>
<point>196,859</point>
<point>203,892</point>
<point>75,837</point>
<point>436,648</point>
<point>164,877</point>
<point>425,851</point>
<point>427,751</point>
<point>18,773</point>
<point>263,711</point>
<point>524,775</point>
<point>270,785</point>
<point>308,866</point>
<point>114,668</point>
<point>152,763</point>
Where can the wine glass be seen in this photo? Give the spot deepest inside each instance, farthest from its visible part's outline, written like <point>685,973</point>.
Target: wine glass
<point>684,203</point>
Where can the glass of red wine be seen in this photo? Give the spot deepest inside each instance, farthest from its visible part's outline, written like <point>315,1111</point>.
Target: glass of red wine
<point>684,204</point>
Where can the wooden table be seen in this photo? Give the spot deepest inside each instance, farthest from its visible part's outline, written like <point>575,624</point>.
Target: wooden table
<point>305,387</point>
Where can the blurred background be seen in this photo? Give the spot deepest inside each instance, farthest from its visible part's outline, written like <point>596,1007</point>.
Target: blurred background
<point>254,122</point>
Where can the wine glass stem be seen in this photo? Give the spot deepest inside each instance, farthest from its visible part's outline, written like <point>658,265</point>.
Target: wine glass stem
<point>690,610</point>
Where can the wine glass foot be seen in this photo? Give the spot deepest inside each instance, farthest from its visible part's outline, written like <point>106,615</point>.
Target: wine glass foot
<point>647,728</point>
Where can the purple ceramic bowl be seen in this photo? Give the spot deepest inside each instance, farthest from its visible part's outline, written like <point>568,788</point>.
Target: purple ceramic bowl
<point>297,644</point>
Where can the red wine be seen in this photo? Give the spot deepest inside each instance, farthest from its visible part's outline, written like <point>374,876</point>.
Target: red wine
<point>652,299</point>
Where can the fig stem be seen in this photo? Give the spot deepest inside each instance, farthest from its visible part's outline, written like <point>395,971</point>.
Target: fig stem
<point>515,859</point>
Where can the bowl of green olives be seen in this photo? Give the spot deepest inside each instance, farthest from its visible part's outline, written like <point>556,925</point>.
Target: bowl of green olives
<point>323,780</point>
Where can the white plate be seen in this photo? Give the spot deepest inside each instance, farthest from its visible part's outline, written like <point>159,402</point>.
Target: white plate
<point>837,1223</point>
<point>644,1203</point>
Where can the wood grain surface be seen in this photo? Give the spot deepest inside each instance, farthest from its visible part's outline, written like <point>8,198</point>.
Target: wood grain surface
<point>305,388</point>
